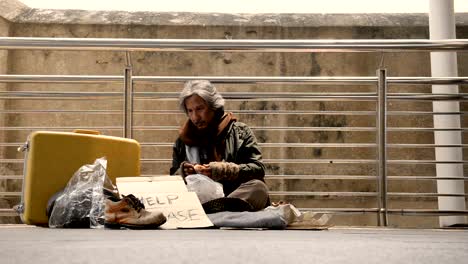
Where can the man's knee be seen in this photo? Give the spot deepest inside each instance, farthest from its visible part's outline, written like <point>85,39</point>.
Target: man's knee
<point>257,186</point>
<point>255,192</point>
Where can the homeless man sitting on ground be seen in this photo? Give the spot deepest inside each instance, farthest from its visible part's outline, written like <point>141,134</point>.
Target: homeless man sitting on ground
<point>212,142</point>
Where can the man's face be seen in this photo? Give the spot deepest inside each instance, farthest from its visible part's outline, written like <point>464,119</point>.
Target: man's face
<point>199,112</point>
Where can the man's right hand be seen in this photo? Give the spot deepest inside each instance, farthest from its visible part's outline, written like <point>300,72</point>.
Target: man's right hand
<point>188,168</point>
<point>203,169</point>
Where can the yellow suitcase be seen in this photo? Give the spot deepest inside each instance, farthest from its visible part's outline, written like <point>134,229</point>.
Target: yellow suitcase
<point>53,157</point>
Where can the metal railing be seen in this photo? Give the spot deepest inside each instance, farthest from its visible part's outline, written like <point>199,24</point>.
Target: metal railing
<point>381,97</point>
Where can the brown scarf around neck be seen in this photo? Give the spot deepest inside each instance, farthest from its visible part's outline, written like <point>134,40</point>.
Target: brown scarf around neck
<point>212,137</point>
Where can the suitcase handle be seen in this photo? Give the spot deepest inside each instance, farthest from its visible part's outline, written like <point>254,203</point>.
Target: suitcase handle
<point>86,131</point>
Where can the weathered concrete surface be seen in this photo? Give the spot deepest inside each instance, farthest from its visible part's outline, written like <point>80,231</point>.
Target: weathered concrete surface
<point>98,24</point>
<point>31,15</point>
<point>11,9</point>
<point>22,245</point>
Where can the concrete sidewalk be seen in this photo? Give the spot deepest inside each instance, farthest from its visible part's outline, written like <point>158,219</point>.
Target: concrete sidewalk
<point>26,244</point>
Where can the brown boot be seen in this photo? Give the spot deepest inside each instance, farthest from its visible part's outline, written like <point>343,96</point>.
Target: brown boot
<point>130,212</point>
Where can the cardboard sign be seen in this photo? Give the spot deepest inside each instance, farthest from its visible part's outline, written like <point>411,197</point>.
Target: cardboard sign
<point>169,195</point>
<point>157,184</point>
<point>182,209</point>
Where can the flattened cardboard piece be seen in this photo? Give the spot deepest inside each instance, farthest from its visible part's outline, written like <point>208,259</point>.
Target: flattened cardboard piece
<point>169,195</point>
<point>182,209</point>
<point>157,184</point>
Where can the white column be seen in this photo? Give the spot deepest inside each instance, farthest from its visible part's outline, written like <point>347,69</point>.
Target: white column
<point>444,64</point>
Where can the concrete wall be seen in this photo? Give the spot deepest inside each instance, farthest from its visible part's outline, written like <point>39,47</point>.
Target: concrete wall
<point>95,24</point>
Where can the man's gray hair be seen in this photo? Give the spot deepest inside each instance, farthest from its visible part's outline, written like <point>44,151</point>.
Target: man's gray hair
<point>205,90</point>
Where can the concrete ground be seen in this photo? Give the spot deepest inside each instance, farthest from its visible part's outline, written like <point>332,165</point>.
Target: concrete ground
<point>26,244</point>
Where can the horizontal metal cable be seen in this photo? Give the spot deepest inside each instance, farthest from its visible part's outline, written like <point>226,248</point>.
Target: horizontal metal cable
<point>426,212</point>
<point>321,161</point>
<point>367,95</point>
<point>269,95</point>
<point>289,161</point>
<point>300,145</point>
<point>176,128</point>
<point>428,96</point>
<point>320,95</point>
<point>143,128</point>
<point>316,80</point>
<point>398,178</point>
<point>8,212</point>
<point>320,177</point>
<point>405,113</point>
<point>415,212</point>
<point>315,177</point>
<point>346,194</point>
<point>61,98</point>
<point>359,177</point>
<point>394,194</point>
<point>315,128</point>
<point>10,194</point>
<point>318,145</point>
<point>241,112</point>
<point>307,161</point>
<point>16,78</point>
<point>427,80</point>
<point>9,144</point>
<point>165,95</point>
<point>40,111</point>
<point>257,45</point>
<point>424,129</point>
<point>404,194</point>
<point>283,145</point>
<point>10,128</point>
<point>11,160</point>
<point>265,112</point>
<point>271,128</point>
<point>11,177</point>
<point>359,96</point>
<point>340,210</point>
<point>427,146</point>
<point>249,98</point>
<point>58,94</point>
<point>427,161</point>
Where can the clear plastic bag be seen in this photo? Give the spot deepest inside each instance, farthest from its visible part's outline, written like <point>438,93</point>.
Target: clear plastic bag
<point>82,200</point>
<point>205,188</point>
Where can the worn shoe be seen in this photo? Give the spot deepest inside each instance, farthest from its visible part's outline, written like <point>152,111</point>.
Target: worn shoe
<point>130,212</point>
<point>226,204</point>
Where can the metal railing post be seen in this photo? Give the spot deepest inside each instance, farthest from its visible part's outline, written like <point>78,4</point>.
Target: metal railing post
<point>128,98</point>
<point>441,26</point>
<point>382,146</point>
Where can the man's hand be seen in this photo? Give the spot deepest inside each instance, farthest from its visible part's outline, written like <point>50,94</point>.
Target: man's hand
<point>188,168</point>
<point>203,169</point>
